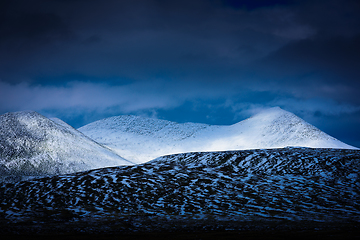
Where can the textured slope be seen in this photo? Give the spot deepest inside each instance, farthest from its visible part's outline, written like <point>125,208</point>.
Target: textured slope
<point>142,139</point>
<point>32,145</point>
<point>291,184</point>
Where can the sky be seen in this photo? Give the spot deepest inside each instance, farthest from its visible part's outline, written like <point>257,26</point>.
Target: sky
<point>215,61</point>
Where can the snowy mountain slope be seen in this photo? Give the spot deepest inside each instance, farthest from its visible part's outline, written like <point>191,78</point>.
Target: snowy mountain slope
<point>326,163</point>
<point>293,184</point>
<point>33,145</point>
<point>142,139</point>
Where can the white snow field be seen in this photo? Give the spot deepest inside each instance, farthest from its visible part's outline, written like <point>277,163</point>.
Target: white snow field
<point>33,145</point>
<point>140,139</point>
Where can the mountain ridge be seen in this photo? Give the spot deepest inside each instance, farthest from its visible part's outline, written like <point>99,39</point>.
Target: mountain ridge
<point>142,139</point>
<point>33,145</point>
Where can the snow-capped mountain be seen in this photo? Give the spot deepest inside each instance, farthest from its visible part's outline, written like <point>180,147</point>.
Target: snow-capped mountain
<point>172,192</point>
<point>33,145</point>
<point>142,139</point>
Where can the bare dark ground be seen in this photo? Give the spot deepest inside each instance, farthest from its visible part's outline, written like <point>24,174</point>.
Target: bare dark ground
<point>182,230</point>
<point>306,235</point>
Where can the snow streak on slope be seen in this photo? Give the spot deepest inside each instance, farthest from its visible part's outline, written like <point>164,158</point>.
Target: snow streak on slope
<point>292,184</point>
<point>142,139</point>
<point>33,145</point>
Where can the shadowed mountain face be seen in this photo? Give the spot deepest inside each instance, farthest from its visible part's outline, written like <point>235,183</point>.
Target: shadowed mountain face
<point>142,139</point>
<point>33,145</point>
<point>292,184</point>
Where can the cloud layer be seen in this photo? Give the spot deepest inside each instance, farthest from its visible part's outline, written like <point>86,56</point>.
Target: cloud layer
<point>152,56</point>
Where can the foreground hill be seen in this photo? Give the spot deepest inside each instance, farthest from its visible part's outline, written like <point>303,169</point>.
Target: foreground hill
<point>181,191</point>
<point>33,145</point>
<point>142,139</point>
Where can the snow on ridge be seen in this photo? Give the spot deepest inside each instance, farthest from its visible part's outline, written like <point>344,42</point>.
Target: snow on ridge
<point>141,139</point>
<point>33,145</point>
<point>291,183</point>
<point>142,126</point>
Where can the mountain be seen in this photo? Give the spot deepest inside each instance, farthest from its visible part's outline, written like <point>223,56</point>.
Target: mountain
<point>33,145</point>
<point>230,190</point>
<point>142,139</point>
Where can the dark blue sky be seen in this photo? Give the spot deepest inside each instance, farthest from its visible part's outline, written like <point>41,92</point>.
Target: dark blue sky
<point>216,61</point>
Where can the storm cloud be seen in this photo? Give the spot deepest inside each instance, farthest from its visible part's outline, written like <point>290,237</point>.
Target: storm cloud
<point>208,58</point>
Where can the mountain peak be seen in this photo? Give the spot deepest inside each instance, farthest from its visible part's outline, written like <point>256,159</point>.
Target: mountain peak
<point>274,111</point>
<point>19,114</point>
<point>33,145</point>
<point>142,139</point>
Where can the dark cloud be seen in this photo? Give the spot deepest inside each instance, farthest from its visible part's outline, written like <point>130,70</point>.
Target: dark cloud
<point>142,39</point>
<point>254,4</point>
<point>34,25</point>
<point>331,18</point>
<point>154,56</point>
<point>317,68</point>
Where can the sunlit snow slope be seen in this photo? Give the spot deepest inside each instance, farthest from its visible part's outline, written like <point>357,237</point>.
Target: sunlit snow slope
<point>142,139</point>
<point>33,145</point>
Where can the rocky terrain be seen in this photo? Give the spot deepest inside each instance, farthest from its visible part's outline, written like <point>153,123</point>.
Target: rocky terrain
<point>214,191</point>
